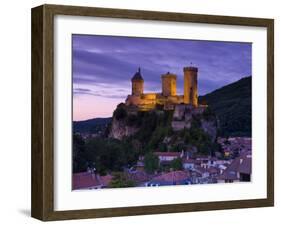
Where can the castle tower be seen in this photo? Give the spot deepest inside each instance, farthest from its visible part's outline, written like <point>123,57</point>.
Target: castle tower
<point>137,84</point>
<point>190,86</point>
<point>169,84</point>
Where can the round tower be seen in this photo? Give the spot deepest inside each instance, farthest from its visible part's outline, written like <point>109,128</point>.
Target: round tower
<point>190,85</point>
<point>169,84</point>
<point>137,83</point>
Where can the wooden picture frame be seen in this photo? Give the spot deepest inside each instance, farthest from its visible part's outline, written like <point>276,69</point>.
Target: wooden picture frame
<point>42,203</point>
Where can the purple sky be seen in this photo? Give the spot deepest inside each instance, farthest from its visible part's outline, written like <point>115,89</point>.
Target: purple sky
<point>104,65</point>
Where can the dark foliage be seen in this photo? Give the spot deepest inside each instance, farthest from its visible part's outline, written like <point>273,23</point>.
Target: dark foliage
<point>232,104</point>
<point>176,164</point>
<point>103,154</point>
<point>120,180</point>
<point>120,112</point>
<point>151,162</point>
<point>79,156</point>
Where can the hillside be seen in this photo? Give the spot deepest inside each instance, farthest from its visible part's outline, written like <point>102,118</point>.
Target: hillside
<point>232,106</point>
<point>130,134</point>
<point>184,128</point>
<point>94,125</point>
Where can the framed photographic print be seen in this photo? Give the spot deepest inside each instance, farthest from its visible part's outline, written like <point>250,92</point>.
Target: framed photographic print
<point>141,112</point>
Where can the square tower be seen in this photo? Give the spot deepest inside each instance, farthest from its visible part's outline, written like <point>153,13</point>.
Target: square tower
<point>169,84</point>
<point>190,86</point>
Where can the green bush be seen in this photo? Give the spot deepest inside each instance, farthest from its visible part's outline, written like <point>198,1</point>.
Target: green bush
<point>120,180</point>
<point>176,164</point>
<point>151,162</point>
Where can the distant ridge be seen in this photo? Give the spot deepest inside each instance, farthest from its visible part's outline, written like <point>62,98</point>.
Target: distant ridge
<point>91,125</point>
<point>233,106</point>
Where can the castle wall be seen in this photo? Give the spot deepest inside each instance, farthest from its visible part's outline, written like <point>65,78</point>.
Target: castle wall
<point>144,102</point>
<point>175,99</point>
<point>133,100</point>
<point>149,96</point>
<point>183,115</point>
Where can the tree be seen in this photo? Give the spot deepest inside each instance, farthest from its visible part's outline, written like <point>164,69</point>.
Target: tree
<point>120,180</point>
<point>151,162</point>
<point>79,160</point>
<point>162,147</point>
<point>176,164</point>
<point>208,114</point>
<point>107,154</point>
<point>157,137</point>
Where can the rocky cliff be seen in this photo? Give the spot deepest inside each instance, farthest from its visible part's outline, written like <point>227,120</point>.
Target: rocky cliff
<point>124,122</point>
<point>186,115</point>
<point>120,129</point>
<point>127,123</point>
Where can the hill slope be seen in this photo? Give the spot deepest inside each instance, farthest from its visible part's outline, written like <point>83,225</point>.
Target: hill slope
<point>233,106</point>
<point>94,125</point>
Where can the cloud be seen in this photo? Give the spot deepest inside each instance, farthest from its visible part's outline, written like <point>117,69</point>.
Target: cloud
<point>106,91</point>
<point>103,60</point>
<point>82,90</point>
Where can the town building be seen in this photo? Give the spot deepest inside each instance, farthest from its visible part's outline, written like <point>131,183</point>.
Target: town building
<point>178,177</point>
<point>89,180</point>
<point>168,156</point>
<point>189,164</point>
<point>240,169</point>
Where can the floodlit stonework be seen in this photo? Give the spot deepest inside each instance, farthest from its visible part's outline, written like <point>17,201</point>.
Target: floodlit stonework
<point>168,98</point>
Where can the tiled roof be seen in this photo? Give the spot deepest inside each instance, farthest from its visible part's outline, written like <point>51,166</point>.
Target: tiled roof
<point>105,180</point>
<point>84,180</point>
<point>246,165</point>
<point>173,176</point>
<point>139,176</point>
<point>213,170</point>
<point>201,170</point>
<point>241,164</point>
<point>192,161</point>
<point>176,154</point>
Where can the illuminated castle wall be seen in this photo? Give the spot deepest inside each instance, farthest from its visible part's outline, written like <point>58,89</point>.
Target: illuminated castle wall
<point>168,98</point>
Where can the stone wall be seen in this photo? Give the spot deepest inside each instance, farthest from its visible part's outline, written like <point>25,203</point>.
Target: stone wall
<point>137,87</point>
<point>183,116</point>
<point>120,129</point>
<point>169,84</point>
<point>190,86</point>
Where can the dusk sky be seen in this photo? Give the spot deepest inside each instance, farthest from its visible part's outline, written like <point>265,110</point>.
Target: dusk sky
<point>104,65</point>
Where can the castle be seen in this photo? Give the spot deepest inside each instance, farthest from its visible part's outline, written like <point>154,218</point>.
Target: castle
<point>168,98</point>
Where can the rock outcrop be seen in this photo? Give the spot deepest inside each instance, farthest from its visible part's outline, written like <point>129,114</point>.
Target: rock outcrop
<point>120,129</point>
<point>127,122</point>
<point>185,114</point>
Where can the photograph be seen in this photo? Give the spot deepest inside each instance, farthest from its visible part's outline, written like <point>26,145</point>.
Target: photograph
<point>150,112</point>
